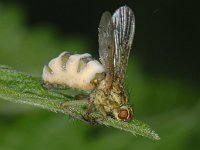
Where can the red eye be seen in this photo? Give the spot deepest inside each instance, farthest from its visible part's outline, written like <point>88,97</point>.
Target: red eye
<point>123,114</point>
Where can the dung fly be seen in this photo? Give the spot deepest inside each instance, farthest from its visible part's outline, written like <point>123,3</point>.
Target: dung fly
<point>105,80</point>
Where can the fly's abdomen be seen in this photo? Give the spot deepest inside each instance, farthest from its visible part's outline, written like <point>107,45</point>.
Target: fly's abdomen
<point>78,71</point>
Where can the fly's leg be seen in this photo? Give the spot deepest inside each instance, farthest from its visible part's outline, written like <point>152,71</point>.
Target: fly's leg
<point>92,120</point>
<point>74,102</point>
<point>78,100</point>
<point>87,117</point>
<point>90,107</point>
<point>66,108</point>
<point>81,100</point>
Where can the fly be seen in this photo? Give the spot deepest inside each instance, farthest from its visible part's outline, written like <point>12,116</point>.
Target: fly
<point>105,80</point>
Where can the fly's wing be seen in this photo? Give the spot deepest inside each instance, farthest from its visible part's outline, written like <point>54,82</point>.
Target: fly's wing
<point>106,46</point>
<point>124,27</point>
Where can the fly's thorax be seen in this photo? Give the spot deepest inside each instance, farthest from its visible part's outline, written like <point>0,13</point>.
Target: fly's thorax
<point>78,71</point>
<point>117,93</point>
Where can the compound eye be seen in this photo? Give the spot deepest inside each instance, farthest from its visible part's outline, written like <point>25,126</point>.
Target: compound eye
<point>124,115</point>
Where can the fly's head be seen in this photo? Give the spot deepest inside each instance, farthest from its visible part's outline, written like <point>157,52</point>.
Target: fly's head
<point>124,113</point>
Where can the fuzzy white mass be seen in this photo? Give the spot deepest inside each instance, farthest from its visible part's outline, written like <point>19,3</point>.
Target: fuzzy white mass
<point>70,76</point>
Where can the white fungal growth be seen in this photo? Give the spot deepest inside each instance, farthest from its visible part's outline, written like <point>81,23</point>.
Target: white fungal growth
<point>67,73</point>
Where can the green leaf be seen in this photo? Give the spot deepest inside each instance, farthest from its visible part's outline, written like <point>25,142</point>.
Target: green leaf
<point>22,88</point>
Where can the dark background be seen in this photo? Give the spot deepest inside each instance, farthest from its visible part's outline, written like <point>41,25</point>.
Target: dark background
<point>166,38</point>
<point>163,78</point>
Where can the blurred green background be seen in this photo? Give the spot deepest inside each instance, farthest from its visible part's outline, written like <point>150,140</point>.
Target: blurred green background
<point>162,78</point>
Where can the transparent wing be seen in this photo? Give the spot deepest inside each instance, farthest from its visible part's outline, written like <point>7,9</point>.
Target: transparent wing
<point>106,46</point>
<point>124,27</point>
